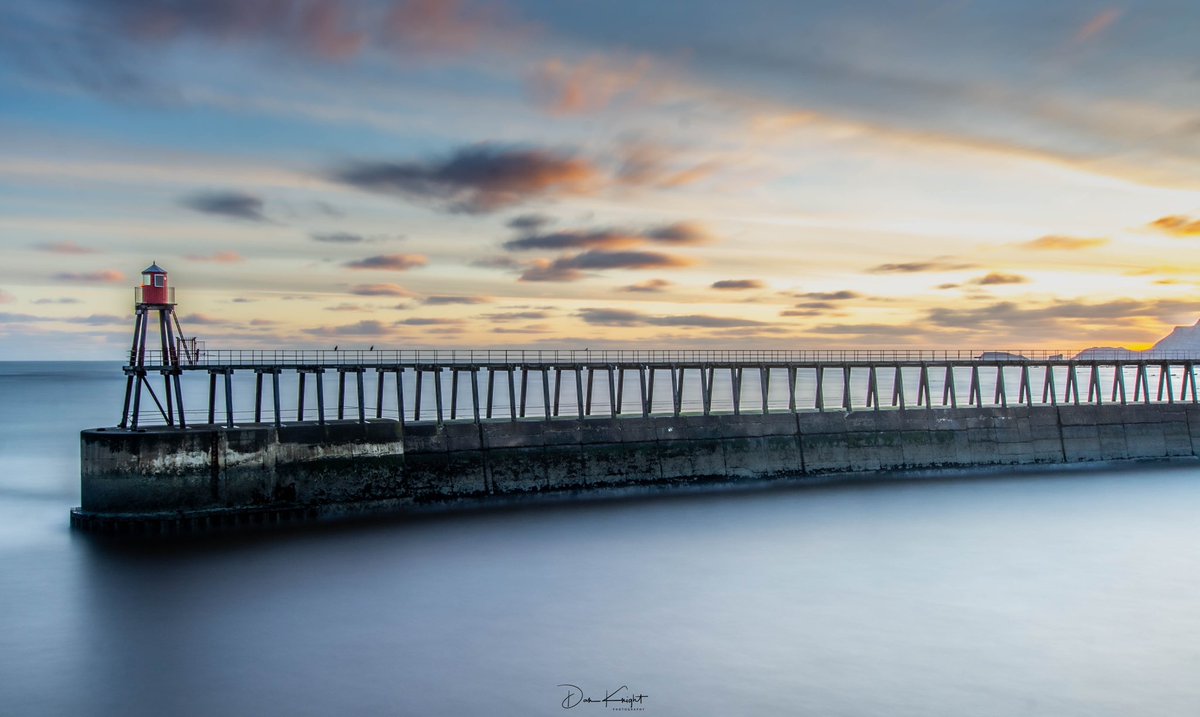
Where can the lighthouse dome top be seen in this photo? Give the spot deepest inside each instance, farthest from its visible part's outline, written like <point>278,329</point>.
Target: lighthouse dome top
<point>154,268</point>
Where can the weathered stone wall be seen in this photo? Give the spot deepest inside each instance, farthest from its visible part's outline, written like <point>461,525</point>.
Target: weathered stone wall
<point>158,470</point>
<point>349,467</point>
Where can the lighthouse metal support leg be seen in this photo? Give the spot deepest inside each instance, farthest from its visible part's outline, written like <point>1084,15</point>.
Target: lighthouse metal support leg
<point>137,400</point>
<point>166,361</point>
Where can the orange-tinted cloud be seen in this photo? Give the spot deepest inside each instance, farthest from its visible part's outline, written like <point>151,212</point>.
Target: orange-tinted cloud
<point>1177,225</point>
<point>1097,24</point>
<point>221,257</point>
<point>106,276</point>
<point>1055,242</point>
<point>593,84</point>
<point>650,286</point>
<point>331,29</point>
<point>478,179</point>
<point>996,278</point>
<point>381,290</point>
<point>937,264</point>
<point>644,164</point>
<point>64,247</point>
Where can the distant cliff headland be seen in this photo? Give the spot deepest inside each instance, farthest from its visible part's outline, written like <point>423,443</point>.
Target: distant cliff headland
<point>1181,340</point>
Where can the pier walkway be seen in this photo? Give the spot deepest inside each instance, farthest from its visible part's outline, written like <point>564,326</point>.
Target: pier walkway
<point>427,385</point>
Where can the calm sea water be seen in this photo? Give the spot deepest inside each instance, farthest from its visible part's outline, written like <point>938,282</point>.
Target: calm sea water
<point>1055,594</point>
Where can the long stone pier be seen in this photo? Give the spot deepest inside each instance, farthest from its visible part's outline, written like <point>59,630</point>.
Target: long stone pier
<point>264,439</point>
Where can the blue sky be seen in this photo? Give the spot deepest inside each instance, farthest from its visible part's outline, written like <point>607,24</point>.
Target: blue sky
<point>450,173</point>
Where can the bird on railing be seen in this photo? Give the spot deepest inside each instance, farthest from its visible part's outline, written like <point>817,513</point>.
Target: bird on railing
<point>335,348</point>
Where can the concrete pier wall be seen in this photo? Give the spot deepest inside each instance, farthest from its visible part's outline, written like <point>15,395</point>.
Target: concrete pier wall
<point>348,468</point>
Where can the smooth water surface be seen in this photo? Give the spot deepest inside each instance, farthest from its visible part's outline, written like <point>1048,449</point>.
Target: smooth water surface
<point>1070,593</point>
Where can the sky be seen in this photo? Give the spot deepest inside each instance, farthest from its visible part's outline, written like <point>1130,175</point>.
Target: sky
<point>549,174</point>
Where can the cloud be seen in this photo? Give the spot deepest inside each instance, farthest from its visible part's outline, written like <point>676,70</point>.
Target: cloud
<point>680,233</point>
<point>647,165</point>
<point>807,307</point>
<point>617,317</point>
<point>7,298</point>
<point>563,88</point>
<point>581,239</point>
<point>389,262</point>
<point>1177,225</point>
<point>843,295</point>
<point>737,284</point>
<point>236,205</point>
<point>428,321</point>
<point>64,247</point>
<point>936,264</point>
<point>345,307</point>
<point>477,179</point>
<point>1055,242</point>
<point>61,300</point>
<point>650,286</point>
<point>366,327</point>
<point>446,300</point>
<point>529,222</point>
<point>889,332</point>
<point>106,276</point>
<point>1097,24</point>
<point>97,320</point>
<point>221,257</point>
<point>1060,317</point>
<point>336,30</point>
<point>338,238</point>
<point>203,319</point>
<point>572,268</point>
<point>516,316</point>
<point>496,262</point>
<point>996,279</point>
<point>381,290</point>
<point>8,317</point>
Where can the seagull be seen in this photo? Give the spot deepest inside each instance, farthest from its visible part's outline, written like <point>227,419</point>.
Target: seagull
<point>335,348</point>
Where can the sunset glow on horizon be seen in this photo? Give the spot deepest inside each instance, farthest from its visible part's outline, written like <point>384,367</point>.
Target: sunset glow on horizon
<point>446,173</point>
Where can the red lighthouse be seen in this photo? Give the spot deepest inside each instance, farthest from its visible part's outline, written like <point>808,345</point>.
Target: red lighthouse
<point>154,295</point>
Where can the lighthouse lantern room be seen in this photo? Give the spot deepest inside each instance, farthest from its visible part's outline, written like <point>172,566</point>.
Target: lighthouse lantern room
<point>154,289</point>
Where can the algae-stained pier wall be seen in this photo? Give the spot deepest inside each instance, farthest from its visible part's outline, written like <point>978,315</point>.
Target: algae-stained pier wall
<point>399,431</point>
